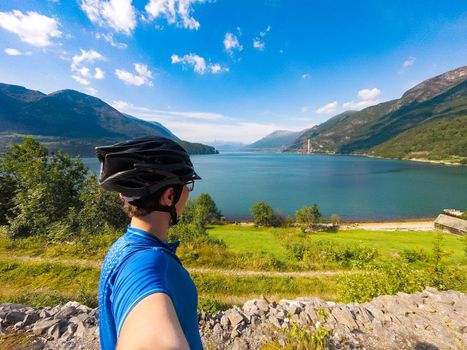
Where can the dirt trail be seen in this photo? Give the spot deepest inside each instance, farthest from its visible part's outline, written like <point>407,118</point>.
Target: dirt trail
<point>97,264</point>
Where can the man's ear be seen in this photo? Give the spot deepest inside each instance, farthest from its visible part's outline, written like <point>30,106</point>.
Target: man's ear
<point>167,197</point>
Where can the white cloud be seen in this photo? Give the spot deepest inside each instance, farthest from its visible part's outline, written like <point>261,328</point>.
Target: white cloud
<point>409,62</point>
<point>81,80</point>
<point>119,15</point>
<point>83,74</point>
<point>368,97</point>
<point>143,75</point>
<point>86,56</point>
<point>202,126</point>
<point>368,94</point>
<point>98,74</point>
<point>359,104</point>
<point>176,12</point>
<point>306,76</point>
<point>32,27</point>
<point>91,90</point>
<point>258,44</point>
<point>328,108</point>
<point>16,52</point>
<point>231,43</point>
<point>109,38</point>
<point>304,109</point>
<point>199,64</point>
<point>267,30</point>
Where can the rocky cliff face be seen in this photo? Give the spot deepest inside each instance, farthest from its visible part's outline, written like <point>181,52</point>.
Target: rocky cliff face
<point>433,87</point>
<point>428,320</point>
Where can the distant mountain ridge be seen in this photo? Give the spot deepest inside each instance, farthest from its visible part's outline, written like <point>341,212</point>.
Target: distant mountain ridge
<point>73,121</point>
<point>439,102</point>
<point>276,141</point>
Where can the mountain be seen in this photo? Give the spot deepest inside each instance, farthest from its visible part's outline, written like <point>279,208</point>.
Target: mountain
<point>73,121</point>
<point>276,141</point>
<point>361,132</point>
<point>226,146</point>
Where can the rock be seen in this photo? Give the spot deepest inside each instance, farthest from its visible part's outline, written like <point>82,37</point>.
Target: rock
<point>54,331</point>
<point>70,331</point>
<point>44,314</point>
<point>13,317</point>
<point>66,312</point>
<point>294,309</point>
<point>81,329</point>
<point>31,318</point>
<point>275,321</point>
<point>225,322</point>
<point>235,317</point>
<point>42,327</point>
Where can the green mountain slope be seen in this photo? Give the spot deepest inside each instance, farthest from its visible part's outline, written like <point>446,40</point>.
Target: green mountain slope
<point>73,121</point>
<point>441,97</point>
<point>440,139</point>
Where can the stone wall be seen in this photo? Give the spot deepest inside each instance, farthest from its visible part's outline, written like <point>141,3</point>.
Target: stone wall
<point>428,320</point>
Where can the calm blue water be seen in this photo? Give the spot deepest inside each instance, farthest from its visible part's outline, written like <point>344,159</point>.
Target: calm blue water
<point>356,188</point>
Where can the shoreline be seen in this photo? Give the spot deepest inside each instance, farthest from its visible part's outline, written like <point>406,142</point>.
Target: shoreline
<point>410,225</point>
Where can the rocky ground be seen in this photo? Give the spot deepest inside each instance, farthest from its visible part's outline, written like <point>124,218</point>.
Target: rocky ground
<point>428,320</point>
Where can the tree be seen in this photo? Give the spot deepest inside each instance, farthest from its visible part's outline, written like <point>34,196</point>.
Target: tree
<point>308,215</point>
<point>262,214</point>
<point>46,186</point>
<point>315,213</point>
<point>100,208</point>
<point>7,192</point>
<point>201,211</point>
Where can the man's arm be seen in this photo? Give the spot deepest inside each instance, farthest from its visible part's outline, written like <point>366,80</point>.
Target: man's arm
<point>151,325</point>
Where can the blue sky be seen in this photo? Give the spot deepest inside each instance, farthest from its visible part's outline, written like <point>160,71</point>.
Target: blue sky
<point>231,70</point>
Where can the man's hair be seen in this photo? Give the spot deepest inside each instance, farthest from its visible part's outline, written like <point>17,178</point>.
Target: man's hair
<point>146,205</point>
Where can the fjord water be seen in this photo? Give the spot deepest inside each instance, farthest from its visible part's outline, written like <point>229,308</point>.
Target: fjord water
<point>355,188</point>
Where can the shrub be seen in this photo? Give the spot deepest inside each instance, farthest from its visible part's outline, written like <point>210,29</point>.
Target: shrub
<point>335,219</point>
<point>100,209</point>
<point>262,214</point>
<point>387,279</point>
<point>212,306</point>
<point>308,215</point>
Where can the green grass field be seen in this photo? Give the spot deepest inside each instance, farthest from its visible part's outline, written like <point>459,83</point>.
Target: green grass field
<point>250,239</point>
<point>43,281</point>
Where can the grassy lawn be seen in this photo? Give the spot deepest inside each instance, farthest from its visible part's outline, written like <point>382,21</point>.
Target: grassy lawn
<point>250,239</point>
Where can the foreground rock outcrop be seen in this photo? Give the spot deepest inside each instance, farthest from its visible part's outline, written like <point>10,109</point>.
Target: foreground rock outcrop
<point>428,320</point>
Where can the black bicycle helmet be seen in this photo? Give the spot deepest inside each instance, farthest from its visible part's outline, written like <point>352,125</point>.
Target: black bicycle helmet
<point>140,167</point>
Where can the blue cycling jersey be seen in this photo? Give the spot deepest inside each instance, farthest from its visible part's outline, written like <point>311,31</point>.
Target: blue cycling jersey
<point>137,265</point>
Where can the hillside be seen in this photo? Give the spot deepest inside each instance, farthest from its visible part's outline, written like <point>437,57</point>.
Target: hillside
<point>440,139</point>
<point>276,141</point>
<point>441,97</point>
<point>73,121</point>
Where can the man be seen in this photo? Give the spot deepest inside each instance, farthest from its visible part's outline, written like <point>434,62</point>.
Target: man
<point>147,299</point>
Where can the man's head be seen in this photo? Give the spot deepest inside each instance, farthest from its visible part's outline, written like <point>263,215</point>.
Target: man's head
<point>150,173</point>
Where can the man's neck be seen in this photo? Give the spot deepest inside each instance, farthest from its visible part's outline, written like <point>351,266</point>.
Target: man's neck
<point>156,223</point>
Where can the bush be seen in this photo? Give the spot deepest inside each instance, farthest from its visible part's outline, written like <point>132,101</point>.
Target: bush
<point>309,215</point>
<point>324,252</point>
<point>262,214</point>
<point>397,275</point>
<point>100,209</point>
<point>335,219</point>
